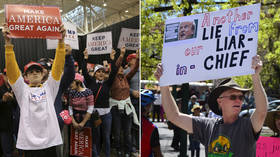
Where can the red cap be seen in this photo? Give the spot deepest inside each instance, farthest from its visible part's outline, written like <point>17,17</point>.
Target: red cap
<point>131,56</point>
<point>30,64</point>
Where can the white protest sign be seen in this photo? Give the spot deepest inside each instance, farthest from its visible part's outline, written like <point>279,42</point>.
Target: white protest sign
<point>210,45</point>
<point>99,43</point>
<point>129,38</point>
<point>71,37</point>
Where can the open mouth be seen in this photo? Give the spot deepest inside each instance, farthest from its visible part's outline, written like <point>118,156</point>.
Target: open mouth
<point>182,34</point>
<point>236,106</point>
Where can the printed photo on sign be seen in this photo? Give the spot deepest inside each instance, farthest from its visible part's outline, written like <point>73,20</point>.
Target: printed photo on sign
<point>181,31</point>
<point>187,30</point>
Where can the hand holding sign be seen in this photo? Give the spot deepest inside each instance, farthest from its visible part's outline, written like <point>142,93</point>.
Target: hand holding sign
<point>137,53</point>
<point>63,32</point>
<point>75,124</point>
<point>6,33</point>
<point>158,72</point>
<point>81,125</point>
<point>85,54</point>
<point>112,54</point>
<point>123,50</point>
<point>257,64</point>
<point>68,49</point>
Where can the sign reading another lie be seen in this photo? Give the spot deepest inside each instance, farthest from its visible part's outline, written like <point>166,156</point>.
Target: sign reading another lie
<point>268,147</point>
<point>33,21</point>
<point>210,45</point>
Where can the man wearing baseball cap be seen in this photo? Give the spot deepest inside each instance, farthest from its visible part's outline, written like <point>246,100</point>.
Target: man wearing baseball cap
<point>230,136</point>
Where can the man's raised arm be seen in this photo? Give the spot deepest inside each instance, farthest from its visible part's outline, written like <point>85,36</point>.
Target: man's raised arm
<point>183,121</point>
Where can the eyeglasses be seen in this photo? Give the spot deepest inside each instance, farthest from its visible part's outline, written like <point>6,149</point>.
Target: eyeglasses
<point>234,97</point>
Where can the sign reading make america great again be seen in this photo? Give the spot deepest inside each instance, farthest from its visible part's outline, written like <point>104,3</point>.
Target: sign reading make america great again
<point>26,21</point>
<point>210,46</point>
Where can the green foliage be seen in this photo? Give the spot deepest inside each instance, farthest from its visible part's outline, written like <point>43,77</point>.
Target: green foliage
<point>152,28</point>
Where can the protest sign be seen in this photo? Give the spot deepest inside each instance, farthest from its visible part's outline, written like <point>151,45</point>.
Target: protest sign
<point>81,142</point>
<point>268,147</point>
<point>99,43</point>
<point>210,45</point>
<point>129,38</point>
<point>26,21</point>
<point>71,37</point>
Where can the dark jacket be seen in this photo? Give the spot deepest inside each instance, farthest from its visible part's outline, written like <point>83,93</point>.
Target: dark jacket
<point>67,78</point>
<point>102,100</point>
<point>6,110</point>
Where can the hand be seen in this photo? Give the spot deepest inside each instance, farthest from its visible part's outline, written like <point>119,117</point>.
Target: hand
<point>63,32</point>
<point>85,54</point>
<point>257,64</point>
<point>68,49</point>
<point>81,125</point>
<point>135,94</point>
<point>7,97</point>
<point>75,125</point>
<point>137,53</point>
<point>6,32</point>
<point>123,50</point>
<point>158,72</point>
<point>112,54</point>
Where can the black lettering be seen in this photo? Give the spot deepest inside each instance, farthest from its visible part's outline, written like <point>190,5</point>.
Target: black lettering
<point>225,46</point>
<point>226,60</point>
<point>233,59</point>
<point>243,56</point>
<point>232,42</point>
<point>240,42</point>
<point>205,63</point>
<point>218,46</point>
<point>212,32</point>
<point>204,33</point>
<point>219,61</point>
<point>218,31</point>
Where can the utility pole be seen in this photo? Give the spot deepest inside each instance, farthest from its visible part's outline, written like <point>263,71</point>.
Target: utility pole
<point>184,108</point>
<point>185,98</point>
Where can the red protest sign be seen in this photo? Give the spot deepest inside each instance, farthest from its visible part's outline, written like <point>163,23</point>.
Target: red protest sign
<point>26,21</point>
<point>268,147</point>
<point>80,142</point>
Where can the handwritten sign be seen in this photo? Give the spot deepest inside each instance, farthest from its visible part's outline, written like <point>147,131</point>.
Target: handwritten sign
<point>129,38</point>
<point>71,37</point>
<point>210,45</point>
<point>99,43</point>
<point>268,147</point>
<point>26,21</point>
<point>81,142</point>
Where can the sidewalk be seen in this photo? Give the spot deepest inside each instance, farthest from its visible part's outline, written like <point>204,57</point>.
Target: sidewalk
<point>166,136</point>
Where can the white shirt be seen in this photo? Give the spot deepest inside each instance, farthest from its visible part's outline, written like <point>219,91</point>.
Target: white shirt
<point>38,126</point>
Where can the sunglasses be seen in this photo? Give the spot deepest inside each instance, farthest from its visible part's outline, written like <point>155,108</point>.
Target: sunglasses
<point>234,97</point>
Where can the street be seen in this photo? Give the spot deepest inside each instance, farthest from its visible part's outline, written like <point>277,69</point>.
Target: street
<point>166,136</point>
